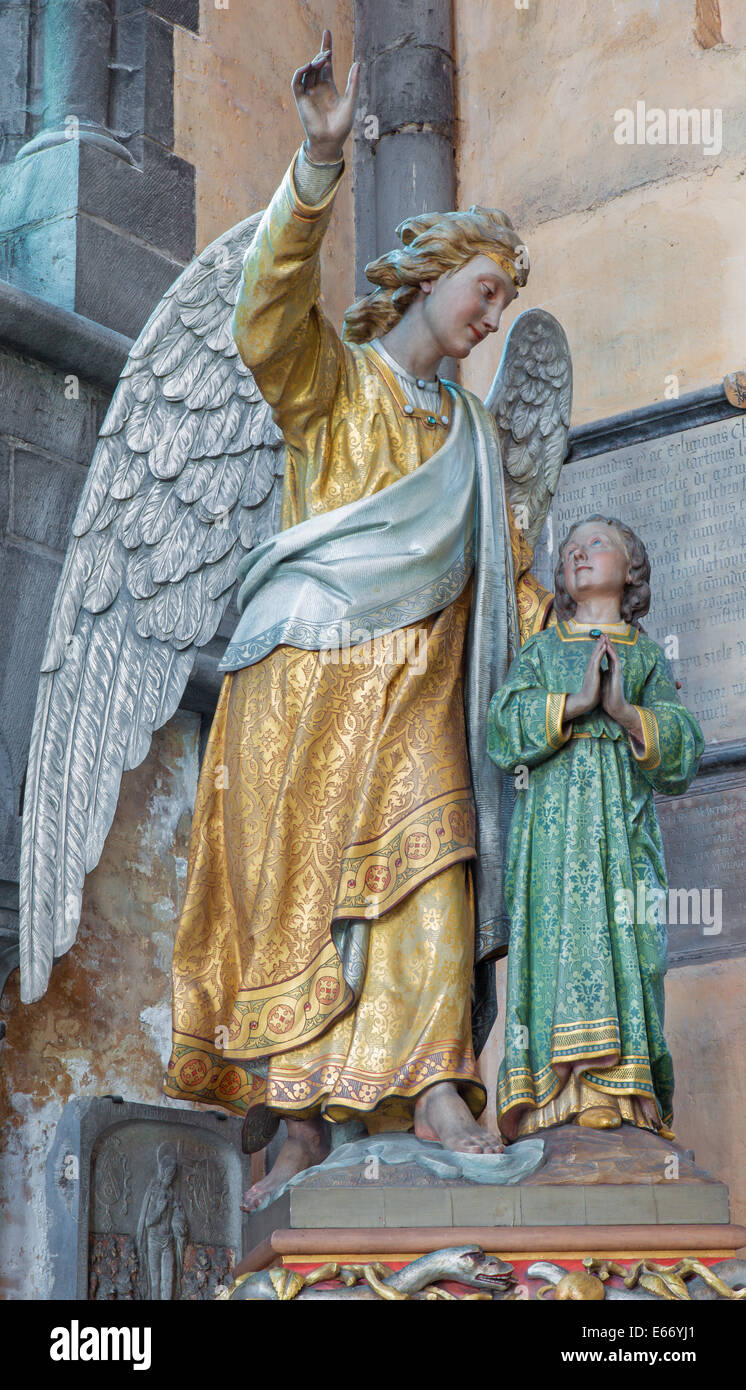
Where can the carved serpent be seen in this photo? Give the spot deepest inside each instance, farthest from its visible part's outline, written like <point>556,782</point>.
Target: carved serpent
<point>645,1280</point>
<point>464,1264</point>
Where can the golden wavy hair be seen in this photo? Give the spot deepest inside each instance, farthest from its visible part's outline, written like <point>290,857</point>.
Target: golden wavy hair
<point>435,244</point>
<point>635,600</point>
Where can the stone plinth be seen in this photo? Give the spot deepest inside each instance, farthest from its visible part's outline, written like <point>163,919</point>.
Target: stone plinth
<point>624,1194</point>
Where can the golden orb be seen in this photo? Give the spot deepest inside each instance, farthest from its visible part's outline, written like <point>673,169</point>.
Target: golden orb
<point>579,1284</point>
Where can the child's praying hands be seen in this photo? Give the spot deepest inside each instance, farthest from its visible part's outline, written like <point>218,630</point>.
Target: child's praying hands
<point>613,701</point>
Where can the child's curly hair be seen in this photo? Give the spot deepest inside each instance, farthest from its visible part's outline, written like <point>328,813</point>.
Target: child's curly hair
<point>635,600</point>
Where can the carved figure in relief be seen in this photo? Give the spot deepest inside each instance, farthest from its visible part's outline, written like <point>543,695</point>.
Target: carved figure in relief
<point>345,873</point>
<point>590,723</point>
<point>161,1231</point>
<point>113,1182</point>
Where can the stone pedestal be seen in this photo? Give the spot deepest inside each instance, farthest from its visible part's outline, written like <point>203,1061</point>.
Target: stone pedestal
<point>624,1195</point>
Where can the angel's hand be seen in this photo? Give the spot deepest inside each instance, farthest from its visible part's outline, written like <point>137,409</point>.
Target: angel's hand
<point>326,116</point>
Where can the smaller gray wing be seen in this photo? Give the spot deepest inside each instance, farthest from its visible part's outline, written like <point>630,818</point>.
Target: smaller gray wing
<point>531,400</point>
<point>185,479</point>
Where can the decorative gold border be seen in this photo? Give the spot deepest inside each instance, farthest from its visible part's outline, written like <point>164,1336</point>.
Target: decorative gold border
<point>567,634</point>
<point>300,1090</point>
<point>651,755</point>
<point>555,713</point>
<point>631,1074</point>
<point>280,1016</point>
<point>534,602</point>
<point>573,1042</point>
<point>377,875</point>
<point>198,1073</point>
<point>521,1086</point>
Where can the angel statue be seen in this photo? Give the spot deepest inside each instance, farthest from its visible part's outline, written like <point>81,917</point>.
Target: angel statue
<point>344,882</point>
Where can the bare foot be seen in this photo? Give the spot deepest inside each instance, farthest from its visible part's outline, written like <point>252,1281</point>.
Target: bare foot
<point>441,1114</point>
<point>308,1143</point>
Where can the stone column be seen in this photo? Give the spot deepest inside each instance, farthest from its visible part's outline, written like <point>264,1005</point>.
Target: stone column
<point>404,134</point>
<point>77,39</point>
<point>95,219</point>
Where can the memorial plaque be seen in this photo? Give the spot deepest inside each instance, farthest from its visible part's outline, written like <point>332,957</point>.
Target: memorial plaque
<point>704,839</point>
<point>684,493</point>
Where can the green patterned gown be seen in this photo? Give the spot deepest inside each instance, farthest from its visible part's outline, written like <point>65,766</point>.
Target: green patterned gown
<point>586,962</point>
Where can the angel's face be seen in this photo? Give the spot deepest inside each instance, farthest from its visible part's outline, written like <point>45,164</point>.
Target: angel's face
<point>465,306</point>
<point>595,562</point>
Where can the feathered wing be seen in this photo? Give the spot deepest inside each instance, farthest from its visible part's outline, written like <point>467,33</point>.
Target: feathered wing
<point>531,400</point>
<point>181,485</point>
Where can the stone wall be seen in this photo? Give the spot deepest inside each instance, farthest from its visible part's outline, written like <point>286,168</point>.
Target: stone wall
<point>96,208</point>
<point>637,248</point>
<point>104,1025</point>
<point>235,117</point>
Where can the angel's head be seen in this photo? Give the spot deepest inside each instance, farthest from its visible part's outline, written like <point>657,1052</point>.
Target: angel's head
<point>464,268</point>
<point>600,556</point>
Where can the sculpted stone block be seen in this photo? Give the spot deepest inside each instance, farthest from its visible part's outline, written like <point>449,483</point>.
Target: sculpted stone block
<point>143,1201</point>
<point>45,497</point>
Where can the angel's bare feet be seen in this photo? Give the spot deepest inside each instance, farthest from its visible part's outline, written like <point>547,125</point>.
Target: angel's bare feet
<point>442,1114</point>
<point>308,1143</point>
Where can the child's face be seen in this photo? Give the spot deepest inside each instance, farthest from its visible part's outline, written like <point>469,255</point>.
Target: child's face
<point>595,562</point>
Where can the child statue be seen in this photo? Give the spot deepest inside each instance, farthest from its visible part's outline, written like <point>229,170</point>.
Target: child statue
<point>590,720</point>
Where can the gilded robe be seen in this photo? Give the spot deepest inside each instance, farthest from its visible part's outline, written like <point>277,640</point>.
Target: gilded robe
<point>325,950</point>
<point>585,880</point>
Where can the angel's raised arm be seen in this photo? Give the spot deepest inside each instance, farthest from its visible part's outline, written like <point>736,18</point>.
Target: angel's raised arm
<point>293,351</point>
<point>281,333</point>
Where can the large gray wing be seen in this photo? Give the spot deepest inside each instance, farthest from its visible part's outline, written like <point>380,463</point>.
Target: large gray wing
<point>181,485</point>
<point>531,400</point>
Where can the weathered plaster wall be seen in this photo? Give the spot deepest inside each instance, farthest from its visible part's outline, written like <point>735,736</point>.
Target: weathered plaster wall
<point>638,249</point>
<point>235,117</point>
<point>103,1027</point>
